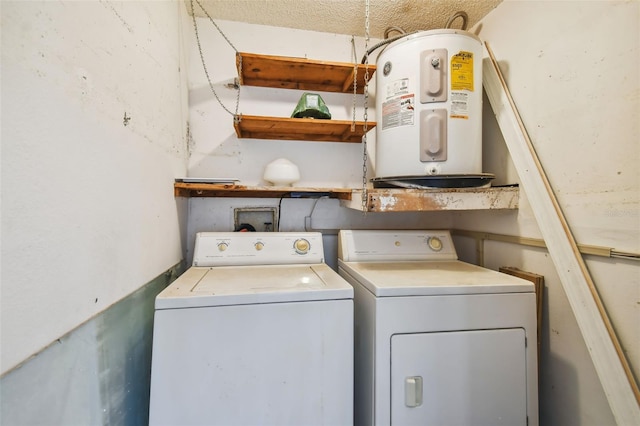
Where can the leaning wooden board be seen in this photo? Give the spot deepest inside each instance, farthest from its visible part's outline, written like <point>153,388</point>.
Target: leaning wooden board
<point>606,352</point>
<point>538,284</point>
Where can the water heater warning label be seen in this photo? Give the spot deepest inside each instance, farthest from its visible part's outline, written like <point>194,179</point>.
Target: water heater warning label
<point>398,111</point>
<point>462,71</point>
<point>397,88</point>
<point>460,105</point>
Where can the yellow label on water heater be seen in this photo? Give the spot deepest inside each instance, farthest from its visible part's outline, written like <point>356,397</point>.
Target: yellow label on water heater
<point>462,71</point>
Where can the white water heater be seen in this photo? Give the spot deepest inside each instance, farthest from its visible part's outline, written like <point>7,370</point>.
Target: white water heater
<point>429,106</point>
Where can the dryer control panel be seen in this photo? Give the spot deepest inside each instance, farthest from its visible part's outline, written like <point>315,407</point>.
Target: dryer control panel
<point>257,248</point>
<point>392,245</point>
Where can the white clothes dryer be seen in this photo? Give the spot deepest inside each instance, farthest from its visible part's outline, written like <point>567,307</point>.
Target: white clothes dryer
<point>437,341</point>
<point>259,331</point>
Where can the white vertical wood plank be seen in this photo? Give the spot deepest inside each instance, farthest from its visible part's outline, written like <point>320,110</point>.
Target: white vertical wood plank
<point>604,348</point>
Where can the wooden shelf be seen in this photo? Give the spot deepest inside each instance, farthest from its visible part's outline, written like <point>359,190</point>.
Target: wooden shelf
<point>303,129</point>
<point>182,189</point>
<point>378,200</point>
<point>282,72</point>
<point>299,73</point>
<point>421,200</point>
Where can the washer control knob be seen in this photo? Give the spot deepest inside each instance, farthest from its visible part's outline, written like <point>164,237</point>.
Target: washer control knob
<point>259,245</point>
<point>222,246</point>
<point>301,246</point>
<point>435,243</point>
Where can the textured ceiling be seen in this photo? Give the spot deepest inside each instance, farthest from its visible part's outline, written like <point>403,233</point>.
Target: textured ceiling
<point>346,16</point>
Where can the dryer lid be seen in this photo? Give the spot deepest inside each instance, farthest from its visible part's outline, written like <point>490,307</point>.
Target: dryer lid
<point>430,278</point>
<point>242,285</point>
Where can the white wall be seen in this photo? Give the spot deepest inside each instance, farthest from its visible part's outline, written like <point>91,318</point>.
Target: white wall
<point>93,134</point>
<point>574,71</point>
<point>217,152</point>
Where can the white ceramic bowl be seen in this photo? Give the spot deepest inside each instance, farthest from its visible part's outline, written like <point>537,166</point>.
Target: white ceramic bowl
<point>281,172</point>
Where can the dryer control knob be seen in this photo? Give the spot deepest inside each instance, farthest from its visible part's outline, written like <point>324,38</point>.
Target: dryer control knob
<point>435,243</point>
<point>259,245</point>
<point>301,246</point>
<point>222,246</point>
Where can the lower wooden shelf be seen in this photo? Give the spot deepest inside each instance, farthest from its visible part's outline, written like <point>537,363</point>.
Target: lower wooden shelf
<point>377,200</point>
<point>182,189</point>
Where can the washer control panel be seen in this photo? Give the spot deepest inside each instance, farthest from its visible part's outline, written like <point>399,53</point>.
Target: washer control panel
<point>368,245</point>
<point>257,248</point>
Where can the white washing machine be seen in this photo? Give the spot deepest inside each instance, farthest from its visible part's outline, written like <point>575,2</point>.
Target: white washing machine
<point>437,341</point>
<point>259,331</point>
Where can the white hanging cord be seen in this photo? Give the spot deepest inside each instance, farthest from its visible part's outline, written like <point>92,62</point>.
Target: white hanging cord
<point>236,117</point>
<point>365,194</point>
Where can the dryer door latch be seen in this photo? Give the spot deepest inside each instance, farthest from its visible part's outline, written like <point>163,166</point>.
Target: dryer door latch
<point>413,391</point>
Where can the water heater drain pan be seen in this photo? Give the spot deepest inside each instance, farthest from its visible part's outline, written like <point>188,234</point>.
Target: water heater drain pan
<point>435,181</point>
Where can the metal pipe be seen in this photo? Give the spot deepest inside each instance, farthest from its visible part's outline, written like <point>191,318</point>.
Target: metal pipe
<point>535,242</point>
<point>459,14</point>
<point>380,44</point>
<point>393,28</point>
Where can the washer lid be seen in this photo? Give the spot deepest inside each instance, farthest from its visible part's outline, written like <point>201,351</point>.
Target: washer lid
<point>432,278</point>
<point>242,285</point>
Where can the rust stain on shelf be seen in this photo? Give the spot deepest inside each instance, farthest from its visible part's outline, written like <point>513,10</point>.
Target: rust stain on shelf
<point>390,200</point>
